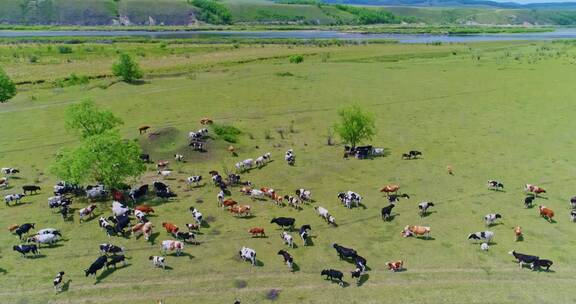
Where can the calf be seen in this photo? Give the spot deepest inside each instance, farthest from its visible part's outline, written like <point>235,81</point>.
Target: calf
<point>288,239</point>
<point>356,274</point>
<point>84,212</point>
<point>220,198</point>
<point>423,207</point>
<point>248,254</point>
<point>541,263</point>
<point>193,227</point>
<point>110,249</point>
<point>546,213</point>
<point>344,253</point>
<point>97,265</point>
<point>284,222</point>
<point>332,274</point>
<point>23,229</point>
<point>489,219</point>
<point>288,260</point>
<point>518,233</point>
<point>115,259</point>
<point>387,212</point>
<point>523,258</point>
<point>178,157</point>
<point>483,236</point>
<point>58,281</point>
<point>24,249</point>
<point>158,261</point>
<point>30,188</point>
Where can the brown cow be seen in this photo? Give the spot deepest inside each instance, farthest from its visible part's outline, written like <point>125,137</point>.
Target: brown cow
<point>240,210</point>
<point>393,188</point>
<point>228,203</point>
<point>546,213</point>
<point>170,228</point>
<point>518,233</point>
<point>143,129</point>
<point>13,227</point>
<point>534,189</point>
<point>206,121</point>
<point>395,265</point>
<point>144,208</point>
<point>143,228</point>
<point>410,230</point>
<point>257,231</point>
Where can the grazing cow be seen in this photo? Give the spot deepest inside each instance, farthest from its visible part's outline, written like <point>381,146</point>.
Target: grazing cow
<point>110,249</point>
<point>528,201</point>
<point>3,182</point>
<point>13,198</point>
<point>284,222</point>
<point>228,203</point>
<point>387,212</point>
<point>360,263</point>
<point>24,249</point>
<point>423,207</point>
<point>197,215</point>
<point>193,227</point>
<point>304,234</point>
<point>158,261</point>
<point>304,195</point>
<point>165,173</point>
<point>97,265</point>
<point>206,121</point>
<point>178,157</point>
<point>103,223</point>
<point>489,219</point>
<point>292,201</point>
<point>170,228</point>
<point>393,198</point>
<point>144,208</point>
<point>172,246</point>
<point>43,239</point>
<point>287,238</point>
<point>323,212</point>
<point>257,195</point>
<point>143,129</point>
<point>392,188</point>
<point>288,259</point>
<point>10,170</point>
<point>119,209</point>
<point>257,231</point>
<point>395,266</point>
<point>518,233</point>
<point>248,254</point>
<point>185,236</point>
<point>24,229</point>
<point>410,230</point>
<point>262,160</point>
<point>31,188</point>
<point>194,180</point>
<point>345,253</point>
<point>84,212</point>
<point>350,198</point>
<point>541,263</point>
<point>495,185</point>
<point>534,189</point>
<point>145,158</point>
<point>482,236</point>
<point>137,194</point>
<point>243,210</point>
<point>546,213</point>
<point>143,228</point>
<point>523,258</point>
<point>332,274</point>
<point>115,259</point>
<point>58,281</point>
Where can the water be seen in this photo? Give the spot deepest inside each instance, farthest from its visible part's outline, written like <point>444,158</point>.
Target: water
<point>298,34</point>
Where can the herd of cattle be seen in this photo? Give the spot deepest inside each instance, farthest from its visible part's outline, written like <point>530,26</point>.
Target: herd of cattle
<point>130,217</point>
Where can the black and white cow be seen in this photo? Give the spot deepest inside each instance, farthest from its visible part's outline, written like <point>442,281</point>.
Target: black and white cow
<point>540,263</point>
<point>110,249</point>
<point>350,198</point>
<point>104,224</point>
<point>13,198</point>
<point>423,207</point>
<point>345,253</point>
<point>96,193</point>
<point>287,238</point>
<point>387,212</point>
<point>23,229</point>
<point>185,236</point>
<point>394,197</point>
<point>115,259</point>
<point>290,158</point>
<point>43,239</point>
<point>495,185</point>
<point>248,254</point>
<point>523,258</point>
<point>59,201</point>
<point>58,281</point>
<point>10,171</point>
<point>360,263</point>
<point>24,249</point>
<point>482,236</point>
<point>573,215</point>
<point>528,201</point>
<point>288,259</point>
<point>97,265</point>
<point>489,219</point>
<point>49,231</point>
<point>160,186</point>
<point>332,274</point>
<point>304,234</point>
<point>197,215</point>
<point>304,195</point>
<point>158,261</point>
<point>194,180</point>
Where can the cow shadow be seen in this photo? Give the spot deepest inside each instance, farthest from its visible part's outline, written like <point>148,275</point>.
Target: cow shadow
<point>94,217</point>
<point>362,205</point>
<point>295,267</point>
<point>182,254</point>
<point>540,270</point>
<point>66,285</point>
<point>3,271</point>
<point>259,263</point>
<point>153,237</point>
<point>427,213</point>
<point>363,279</point>
<point>108,271</point>
<point>53,245</point>
<point>494,224</point>
<point>391,217</point>
<point>520,239</point>
<point>426,238</point>
<point>247,217</point>
<point>205,224</point>
<point>37,256</point>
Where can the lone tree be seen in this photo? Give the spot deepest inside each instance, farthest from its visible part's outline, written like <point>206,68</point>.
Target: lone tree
<point>127,69</point>
<point>355,126</point>
<point>105,158</point>
<point>86,119</point>
<point>7,87</point>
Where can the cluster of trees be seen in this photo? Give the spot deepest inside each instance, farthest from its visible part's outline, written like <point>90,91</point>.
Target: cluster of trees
<point>102,156</point>
<point>212,12</point>
<point>365,15</point>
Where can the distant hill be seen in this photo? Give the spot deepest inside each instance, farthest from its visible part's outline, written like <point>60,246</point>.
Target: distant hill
<point>457,3</point>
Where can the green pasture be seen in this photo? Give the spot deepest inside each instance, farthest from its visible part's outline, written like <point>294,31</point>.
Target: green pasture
<point>500,111</point>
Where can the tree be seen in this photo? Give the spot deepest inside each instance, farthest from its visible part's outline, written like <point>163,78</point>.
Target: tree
<point>127,69</point>
<point>7,87</point>
<point>105,158</point>
<point>355,126</point>
<point>86,119</point>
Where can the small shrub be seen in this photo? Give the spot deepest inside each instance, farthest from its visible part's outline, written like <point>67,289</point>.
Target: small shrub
<point>267,134</point>
<point>296,59</point>
<point>64,49</point>
<point>72,81</point>
<point>227,132</point>
<point>33,59</point>
<point>284,74</point>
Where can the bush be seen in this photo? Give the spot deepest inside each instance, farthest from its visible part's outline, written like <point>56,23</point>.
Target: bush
<point>227,132</point>
<point>7,87</point>
<point>296,59</point>
<point>64,49</point>
<point>127,69</point>
<point>72,80</point>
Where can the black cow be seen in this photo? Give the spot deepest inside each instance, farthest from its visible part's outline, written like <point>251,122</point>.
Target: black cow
<point>121,222</point>
<point>160,186</point>
<point>284,222</point>
<point>109,248</point>
<point>387,211</point>
<point>288,259</point>
<point>30,188</point>
<point>360,262</point>
<point>145,158</point>
<point>332,274</point>
<point>97,265</point>
<point>304,235</point>
<point>528,201</point>
<point>345,253</point>
<point>23,229</point>
<point>64,210</point>
<point>523,258</point>
<point>541,263</point>
<point>136,194</point>
<point>115,259</point>
<point>24,249</point>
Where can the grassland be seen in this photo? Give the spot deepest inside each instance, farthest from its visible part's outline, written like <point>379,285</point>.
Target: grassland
<point>491,110</point>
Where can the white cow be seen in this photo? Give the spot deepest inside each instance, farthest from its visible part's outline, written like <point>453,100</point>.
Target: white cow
<point>482,236</point>
<point>248,254</point>
<point>220,197</point>
<point>197,215</point>
<point>288,239</point>
<point>304,195</point>
<point>119,209</point>
<point>48,231</point>
<point>43,239</point>
<point>323,212</point>
<point>158,261</point>
<point>257,194</point>
<point>171,245</point>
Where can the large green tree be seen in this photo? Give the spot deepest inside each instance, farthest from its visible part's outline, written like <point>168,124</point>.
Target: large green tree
<point>127,69</point>
<point>87,120</point>
<point>105,158</point>
<point>355,126</point>
<point>7,87</point>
